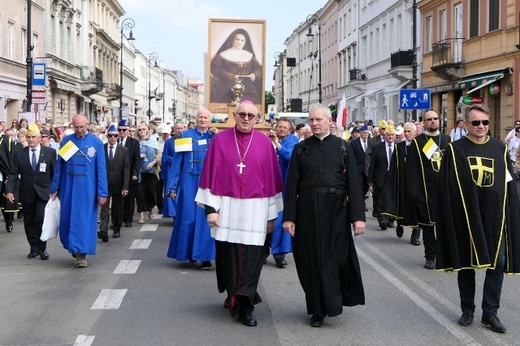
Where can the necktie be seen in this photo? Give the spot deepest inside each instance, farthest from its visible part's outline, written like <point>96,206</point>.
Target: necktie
<point>365,145</point>
<point>33,159</point>
<point>389,155</point>
<point>111,154</point>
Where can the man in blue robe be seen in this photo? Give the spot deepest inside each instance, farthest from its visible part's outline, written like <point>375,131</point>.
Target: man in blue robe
<point>170,204</point>
<point>279,241</point>
<point>81,180</point>
<point>191,237</point>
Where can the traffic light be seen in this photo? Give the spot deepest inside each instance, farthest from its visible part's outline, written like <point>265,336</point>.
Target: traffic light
<point>174,108</point>
<point>136,103</point>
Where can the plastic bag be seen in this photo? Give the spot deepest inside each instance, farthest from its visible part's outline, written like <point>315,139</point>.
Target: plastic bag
<point>51,220</point>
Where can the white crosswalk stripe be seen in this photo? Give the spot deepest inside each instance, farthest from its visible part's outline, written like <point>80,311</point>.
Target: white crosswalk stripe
<point>109,299</point>
<point>127,267</point>
<point>140,244</point>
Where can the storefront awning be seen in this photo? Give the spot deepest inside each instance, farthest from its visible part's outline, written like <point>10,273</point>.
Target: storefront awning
<point>66,86</point>
<point>480,80</point>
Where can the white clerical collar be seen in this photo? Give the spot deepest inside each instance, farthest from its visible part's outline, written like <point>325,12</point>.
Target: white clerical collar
<point>323,137</point>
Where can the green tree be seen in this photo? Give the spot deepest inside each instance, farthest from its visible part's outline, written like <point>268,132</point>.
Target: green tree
<point>269,98</point>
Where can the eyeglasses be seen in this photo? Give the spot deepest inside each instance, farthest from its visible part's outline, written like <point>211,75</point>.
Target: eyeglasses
<point>478,122</point>
<point>432,119</point>
<point>244,114</point>
<point>45,136</point>
<point>112,135</point>
<point>122,130</point>
<point>141,130</point>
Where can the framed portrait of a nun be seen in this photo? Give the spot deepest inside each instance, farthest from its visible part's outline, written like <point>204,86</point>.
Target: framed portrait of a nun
<point>236,54</point>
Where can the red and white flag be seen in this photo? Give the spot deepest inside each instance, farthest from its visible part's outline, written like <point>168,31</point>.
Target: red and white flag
<point>341,118</point>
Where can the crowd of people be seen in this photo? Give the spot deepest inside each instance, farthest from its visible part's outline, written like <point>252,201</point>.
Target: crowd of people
<point>240,195</point>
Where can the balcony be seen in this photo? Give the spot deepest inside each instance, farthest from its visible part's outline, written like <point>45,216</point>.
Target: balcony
<point>357,74</point>
<point>401,58</point>
<point>92,80</point>
<point>113,90</point>
<point>447,58</point>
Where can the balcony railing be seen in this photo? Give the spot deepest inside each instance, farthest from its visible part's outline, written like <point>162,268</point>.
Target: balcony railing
<point>112,89</point>
<point>357,74</point>
<point>448,51</point>
<point>401,58</point>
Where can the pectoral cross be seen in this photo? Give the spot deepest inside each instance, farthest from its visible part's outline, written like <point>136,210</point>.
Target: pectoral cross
<point>241,166</point>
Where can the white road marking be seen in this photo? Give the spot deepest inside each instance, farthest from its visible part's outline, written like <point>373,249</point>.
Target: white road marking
<point>425,288</point>
<point>140,244</point>
<point>84,340</point>
<point>149,228</point>
<point>109,299</point>
<point>127,267</point>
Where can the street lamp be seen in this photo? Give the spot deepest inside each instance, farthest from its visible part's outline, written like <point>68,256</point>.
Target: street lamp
<point>278,58</point>
<point>154,57</point>
<point>311,20</point>
<point>127,23</point>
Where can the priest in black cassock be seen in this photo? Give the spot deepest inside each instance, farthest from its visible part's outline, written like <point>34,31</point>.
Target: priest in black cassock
<point>478,224</point>
<point>323,197</point>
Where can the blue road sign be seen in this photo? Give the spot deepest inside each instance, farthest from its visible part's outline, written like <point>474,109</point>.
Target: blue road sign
<point>411,99</point>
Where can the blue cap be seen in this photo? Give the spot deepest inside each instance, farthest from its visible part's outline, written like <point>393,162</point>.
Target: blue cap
<point>363,128</point>
<point>113,128</point>
<point>124,123</point>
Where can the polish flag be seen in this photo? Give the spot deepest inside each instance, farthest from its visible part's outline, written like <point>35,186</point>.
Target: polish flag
<point>341,118</point>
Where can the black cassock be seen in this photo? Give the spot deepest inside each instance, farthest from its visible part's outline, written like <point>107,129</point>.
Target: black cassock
<point>322,174</point>
<point>477,208</point>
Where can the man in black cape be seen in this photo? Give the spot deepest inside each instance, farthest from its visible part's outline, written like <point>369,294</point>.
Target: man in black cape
<point>422,168</point>
<point>323,196</point>
<point>478,224</point>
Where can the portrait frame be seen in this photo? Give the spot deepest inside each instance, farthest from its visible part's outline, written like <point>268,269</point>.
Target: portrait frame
<point>218,91</point>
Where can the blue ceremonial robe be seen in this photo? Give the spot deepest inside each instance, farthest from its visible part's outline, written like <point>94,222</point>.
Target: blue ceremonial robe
<point>191,236</point>
<point>169,204</point>
<point>80,181</point>
<point>282,242</point>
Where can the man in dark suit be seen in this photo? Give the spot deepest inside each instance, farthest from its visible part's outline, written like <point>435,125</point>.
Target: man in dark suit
<point>33,166</point>
<point>118,178</point>
<point>134,155</point>
<point>360,147</point>
<point>379,167</point>
<point>371,142</point>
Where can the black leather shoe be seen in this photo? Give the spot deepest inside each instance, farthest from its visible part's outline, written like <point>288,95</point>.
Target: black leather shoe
<point>382,225</point>
<point>247,320</point>
<point>415,241</point>
<point>103,236</point>
<point>227,304</point>
<point>399,231</point>
<point>316,321</point>
<point>281,262</point>
<point>44,255</point>
<point>430,263</point>
<point>128,224</point>
<point>466,318</point>
<point>116,234</point>
<point>9,227</point>
<point>494,324</point>
<point>33,254</point>
<point>19,215</point>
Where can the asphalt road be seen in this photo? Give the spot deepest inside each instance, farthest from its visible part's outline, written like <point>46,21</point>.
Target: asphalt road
<point>131,294</point>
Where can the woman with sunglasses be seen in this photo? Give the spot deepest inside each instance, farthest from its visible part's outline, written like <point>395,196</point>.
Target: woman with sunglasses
<point>150,157</point>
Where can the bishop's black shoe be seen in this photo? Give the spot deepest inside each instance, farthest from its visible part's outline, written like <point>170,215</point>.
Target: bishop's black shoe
<point>247,319</point>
